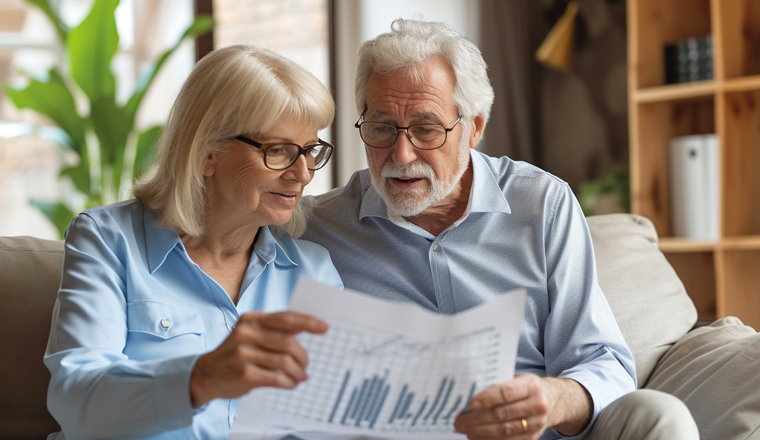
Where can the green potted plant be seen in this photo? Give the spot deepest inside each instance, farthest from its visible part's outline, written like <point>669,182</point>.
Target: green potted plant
<point>608,194</point>
<point>110,150</point>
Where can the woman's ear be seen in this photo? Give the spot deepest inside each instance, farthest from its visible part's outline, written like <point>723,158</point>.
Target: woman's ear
<point>209,165</point>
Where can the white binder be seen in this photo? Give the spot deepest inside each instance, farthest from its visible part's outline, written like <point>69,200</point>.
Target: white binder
<point>694,186</point>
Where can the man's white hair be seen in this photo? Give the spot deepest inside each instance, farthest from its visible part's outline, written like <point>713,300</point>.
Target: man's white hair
<point>412,42</point>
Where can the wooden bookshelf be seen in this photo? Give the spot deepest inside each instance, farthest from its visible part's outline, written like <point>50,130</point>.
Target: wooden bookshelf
<point>722,276</point>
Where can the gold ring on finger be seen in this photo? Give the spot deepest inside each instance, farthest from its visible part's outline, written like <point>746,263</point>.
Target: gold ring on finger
<point>524,425</point>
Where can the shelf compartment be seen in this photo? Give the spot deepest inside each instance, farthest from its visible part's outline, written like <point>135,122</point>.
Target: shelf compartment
<point>740,151</point>
<point>741,278</point>
<point>653,125</point>
<point>655,24</point>
<point>697,273</point>
<point>738,22</point>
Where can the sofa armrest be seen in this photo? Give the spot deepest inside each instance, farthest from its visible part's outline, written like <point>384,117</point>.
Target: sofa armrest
<point>30,274</point>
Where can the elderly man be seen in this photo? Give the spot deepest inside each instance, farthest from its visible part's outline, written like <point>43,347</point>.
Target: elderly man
<point>435,222</point>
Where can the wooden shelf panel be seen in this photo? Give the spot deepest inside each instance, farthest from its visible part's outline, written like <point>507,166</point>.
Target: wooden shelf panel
<point>685,245</point>
<point>696,90</point>
<point>750,242</point>
<point>674,92</point>
<point>675,244</point>
<point>746,84</point>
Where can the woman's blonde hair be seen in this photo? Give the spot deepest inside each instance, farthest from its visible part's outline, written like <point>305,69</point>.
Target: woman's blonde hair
<point>239,89</point>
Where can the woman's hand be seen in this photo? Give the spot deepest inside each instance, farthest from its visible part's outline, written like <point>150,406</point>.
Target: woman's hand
<point>260,351</point>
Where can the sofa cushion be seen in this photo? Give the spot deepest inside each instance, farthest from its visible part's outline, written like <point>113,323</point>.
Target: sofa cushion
<point>647,298</point>
<point>715,371</point>
<point>30,274</point>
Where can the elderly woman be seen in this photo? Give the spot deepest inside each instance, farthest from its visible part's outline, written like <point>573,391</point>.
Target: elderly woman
<point>171,304</point>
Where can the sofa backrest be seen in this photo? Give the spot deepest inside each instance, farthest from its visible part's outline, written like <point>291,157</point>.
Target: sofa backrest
<point>647,298</point>
<point>30,274</point>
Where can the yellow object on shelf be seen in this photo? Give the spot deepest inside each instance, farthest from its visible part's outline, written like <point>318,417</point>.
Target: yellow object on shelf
<point>557,49</point>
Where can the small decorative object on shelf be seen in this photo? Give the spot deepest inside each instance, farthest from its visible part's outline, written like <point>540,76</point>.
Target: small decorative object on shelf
<point>694,186</point>
<point>689,60</point>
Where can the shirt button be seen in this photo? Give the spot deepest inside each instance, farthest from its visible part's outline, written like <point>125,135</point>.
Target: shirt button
<point>236,416</point>
<point>435,248</point>
<point>166,323</point>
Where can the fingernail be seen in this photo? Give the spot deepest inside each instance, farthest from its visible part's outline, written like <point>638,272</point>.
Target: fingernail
<point>476,405</point>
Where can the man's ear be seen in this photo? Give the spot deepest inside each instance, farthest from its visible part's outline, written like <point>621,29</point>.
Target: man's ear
<point>209,165</point>
<point>478,125</point>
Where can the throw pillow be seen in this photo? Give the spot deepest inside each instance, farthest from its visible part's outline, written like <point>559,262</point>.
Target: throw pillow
<point>715,371</point>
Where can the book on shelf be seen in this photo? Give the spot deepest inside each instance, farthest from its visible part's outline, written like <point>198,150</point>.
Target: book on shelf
<point>689,60</point>
<point>695,187</point>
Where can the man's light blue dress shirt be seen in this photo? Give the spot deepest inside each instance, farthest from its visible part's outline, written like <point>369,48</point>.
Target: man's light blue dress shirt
<point>133,315</point>
<point>523,229</point>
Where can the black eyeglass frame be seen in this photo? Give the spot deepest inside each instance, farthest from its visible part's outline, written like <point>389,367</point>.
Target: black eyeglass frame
<point>301,151</point>
<point>395,138</point>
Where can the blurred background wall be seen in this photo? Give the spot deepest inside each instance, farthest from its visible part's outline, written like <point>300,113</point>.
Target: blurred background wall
<point>573,123</point>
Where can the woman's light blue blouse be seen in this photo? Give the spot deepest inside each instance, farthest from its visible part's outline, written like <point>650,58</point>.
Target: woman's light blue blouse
<point>133,315</point>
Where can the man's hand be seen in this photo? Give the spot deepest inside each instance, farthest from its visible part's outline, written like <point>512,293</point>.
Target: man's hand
<point>260,351</point>
<point>498,412</point>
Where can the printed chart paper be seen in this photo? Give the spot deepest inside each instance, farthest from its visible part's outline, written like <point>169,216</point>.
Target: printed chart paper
<point>385,369</point>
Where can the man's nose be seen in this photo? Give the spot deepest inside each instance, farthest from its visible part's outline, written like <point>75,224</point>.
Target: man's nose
<point>404,152</point>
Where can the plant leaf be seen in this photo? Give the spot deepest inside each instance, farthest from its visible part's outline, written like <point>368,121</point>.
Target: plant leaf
<point>146,143</point>
<point>80,175</point>
<point>112,126</point>
<point>58,213</point>
<point>202,24</point>
<point>60,27</point>
<point>50,96</point>
<point>91,46</point>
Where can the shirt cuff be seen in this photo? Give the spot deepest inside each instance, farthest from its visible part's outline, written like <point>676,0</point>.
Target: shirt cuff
<point>599,401</point>
<point>171,397</point>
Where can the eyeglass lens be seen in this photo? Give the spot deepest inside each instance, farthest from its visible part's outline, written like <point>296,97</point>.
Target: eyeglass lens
<point>281,156</point>
<point>425,136</point>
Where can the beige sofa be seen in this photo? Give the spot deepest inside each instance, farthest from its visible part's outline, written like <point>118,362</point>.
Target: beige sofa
<point>715,370</point>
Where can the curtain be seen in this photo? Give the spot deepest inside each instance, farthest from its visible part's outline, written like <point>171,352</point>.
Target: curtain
<point>511,33</point>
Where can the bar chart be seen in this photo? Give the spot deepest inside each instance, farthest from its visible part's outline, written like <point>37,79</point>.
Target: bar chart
<point>384,383</point>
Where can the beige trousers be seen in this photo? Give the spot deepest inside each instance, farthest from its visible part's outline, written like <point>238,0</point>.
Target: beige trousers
<point>645,415</point>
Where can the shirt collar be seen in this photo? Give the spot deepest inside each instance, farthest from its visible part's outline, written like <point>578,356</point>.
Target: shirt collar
<point>160,241</point>
<point>485,196</point>
<point>268,249</point>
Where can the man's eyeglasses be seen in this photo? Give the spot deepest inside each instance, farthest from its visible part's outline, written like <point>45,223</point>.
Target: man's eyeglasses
<point>282,156</point>
<point>422,136</point>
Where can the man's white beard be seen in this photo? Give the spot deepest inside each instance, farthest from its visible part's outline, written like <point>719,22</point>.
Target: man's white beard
<point>413,202</point>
